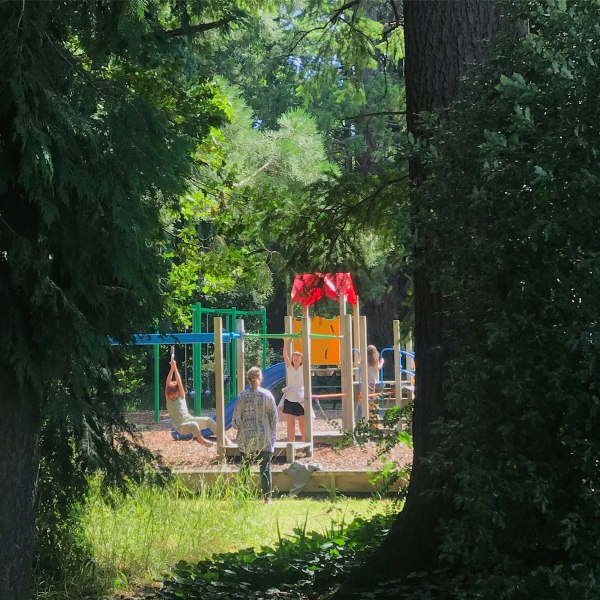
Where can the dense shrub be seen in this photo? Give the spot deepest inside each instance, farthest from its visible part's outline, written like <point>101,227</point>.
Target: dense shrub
<point>514,214</point>
<point>304,566</point>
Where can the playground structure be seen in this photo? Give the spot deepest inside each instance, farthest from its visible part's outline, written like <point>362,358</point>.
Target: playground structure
<point>327,346</point>
<point>230,316</point>
<point>307,290</point>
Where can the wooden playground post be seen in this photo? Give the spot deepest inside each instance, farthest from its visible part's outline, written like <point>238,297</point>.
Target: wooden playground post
<point>288,327</point>
<point>219,386</point>
<point>240,355</point>
<point>289,307</point>
<point>347,383</point>
<point>356,357</point>
<point>307,378</point>
<point>343,364</point>
<point>364,371</point>
<point>356,333</point>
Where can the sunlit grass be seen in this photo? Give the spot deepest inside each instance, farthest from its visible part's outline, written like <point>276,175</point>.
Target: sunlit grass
<point>135,538</point>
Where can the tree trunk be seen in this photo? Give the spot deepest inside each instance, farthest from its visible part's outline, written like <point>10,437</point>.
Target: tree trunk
<point>443,38</point>
<point>19,449</point>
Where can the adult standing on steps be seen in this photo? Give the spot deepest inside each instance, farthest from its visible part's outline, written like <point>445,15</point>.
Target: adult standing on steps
<point>292,401</point>
<point>255,418</point>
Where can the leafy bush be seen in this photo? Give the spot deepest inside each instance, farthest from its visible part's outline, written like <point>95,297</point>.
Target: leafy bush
<point>512,211</point>
<point>304,566</point>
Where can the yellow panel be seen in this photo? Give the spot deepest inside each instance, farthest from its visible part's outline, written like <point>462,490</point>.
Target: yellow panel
<point>322,351</point>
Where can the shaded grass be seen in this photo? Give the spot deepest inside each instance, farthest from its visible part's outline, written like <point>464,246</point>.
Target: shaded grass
<point>137,537</point>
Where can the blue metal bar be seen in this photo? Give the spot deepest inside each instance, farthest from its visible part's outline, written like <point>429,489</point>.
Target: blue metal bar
<point>383,351</point>
<point>145,339</point>
<point>402,369</point>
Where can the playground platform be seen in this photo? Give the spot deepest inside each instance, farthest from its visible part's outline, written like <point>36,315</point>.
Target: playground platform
<point>289,449</point>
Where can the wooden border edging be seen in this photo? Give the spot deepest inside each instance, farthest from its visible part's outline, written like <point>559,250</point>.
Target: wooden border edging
<point>352,482</point>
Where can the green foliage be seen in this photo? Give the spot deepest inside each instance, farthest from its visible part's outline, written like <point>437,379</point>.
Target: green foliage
<point>396,428</point>
<point>305,54</point>
<point>99,118</point>
<point>226,237</point>
<point>62,553</point>
<point>78,255</point>
<point>72,447</point>
<point>303,566</point>
<point>348,79</point>
<point>511,213</point>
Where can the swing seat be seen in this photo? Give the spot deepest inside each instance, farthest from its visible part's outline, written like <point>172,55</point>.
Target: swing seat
<point>180,437</point>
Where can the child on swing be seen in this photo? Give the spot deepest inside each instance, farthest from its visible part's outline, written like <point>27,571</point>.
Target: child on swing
<point>183,422</point>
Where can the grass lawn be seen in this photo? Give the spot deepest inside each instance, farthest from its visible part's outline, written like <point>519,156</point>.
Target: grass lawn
<point>135,538</point>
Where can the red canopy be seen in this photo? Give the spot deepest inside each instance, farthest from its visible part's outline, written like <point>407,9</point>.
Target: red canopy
<point>310,287</point>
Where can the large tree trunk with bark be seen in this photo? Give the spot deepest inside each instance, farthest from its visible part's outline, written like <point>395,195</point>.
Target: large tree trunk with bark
<point>443,38</point>
<point>19,463</point>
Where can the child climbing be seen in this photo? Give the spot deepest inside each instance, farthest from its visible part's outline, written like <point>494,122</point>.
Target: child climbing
<point>374,365</point>
<point>292,401</point>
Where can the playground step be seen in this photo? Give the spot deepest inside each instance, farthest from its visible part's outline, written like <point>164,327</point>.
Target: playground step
<point>281,448</point>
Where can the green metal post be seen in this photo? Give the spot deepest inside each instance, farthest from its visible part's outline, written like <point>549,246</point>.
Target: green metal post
<point>156,386</point>
<point>197,359</point>
<point>228,359</point>
<point>264,330</point>
<point>233,372</point>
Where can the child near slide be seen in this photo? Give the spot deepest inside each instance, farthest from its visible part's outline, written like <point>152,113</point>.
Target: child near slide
<point>182,420</point>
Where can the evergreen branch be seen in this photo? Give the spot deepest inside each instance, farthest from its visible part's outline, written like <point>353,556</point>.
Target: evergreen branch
<point>304,34</point>
<point>380,189</point>
<point>199,28</point>
<point>102,90</point>
<point>356,29</point>
<point>73,65</point>
<point>336,15</point>
<point>20,17</point>
<point>7,225</point>
<point>331,21</point>
<point>374,114</point>
<point>392,27</point>
<point>338,217</point>
<point>397,22</point>
<point>245,181</point>
<point>396,13</point>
